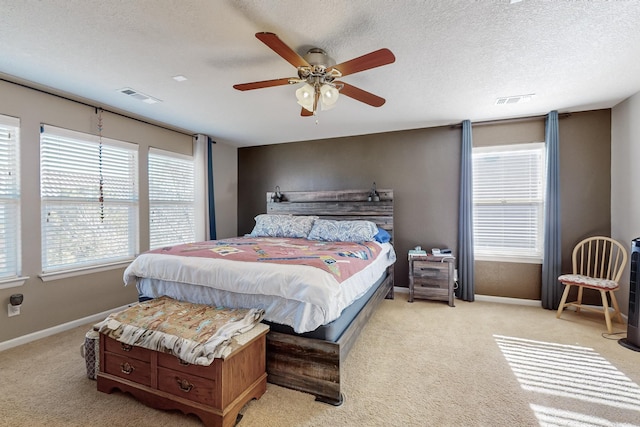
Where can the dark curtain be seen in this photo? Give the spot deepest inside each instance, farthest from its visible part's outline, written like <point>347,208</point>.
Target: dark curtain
<point>466,287</point>
<point>552,258</point>
<point>210,198</point>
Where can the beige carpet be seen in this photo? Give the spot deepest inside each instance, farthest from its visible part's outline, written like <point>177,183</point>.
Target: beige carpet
<point>419,364</point>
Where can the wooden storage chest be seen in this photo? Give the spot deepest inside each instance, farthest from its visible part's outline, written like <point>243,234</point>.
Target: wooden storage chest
<point>214,393</point>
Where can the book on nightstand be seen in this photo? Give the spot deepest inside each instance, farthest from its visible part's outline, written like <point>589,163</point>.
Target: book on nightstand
<point>414,252</point>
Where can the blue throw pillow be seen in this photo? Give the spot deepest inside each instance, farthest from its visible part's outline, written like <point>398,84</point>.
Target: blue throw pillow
<point>382,236</point>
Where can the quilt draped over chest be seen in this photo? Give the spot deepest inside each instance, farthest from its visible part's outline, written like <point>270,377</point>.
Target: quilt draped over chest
<point>194,333</point>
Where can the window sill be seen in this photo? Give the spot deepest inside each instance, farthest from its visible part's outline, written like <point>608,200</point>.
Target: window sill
<point>14,282</point>
<point>47,277</point>
<point>519,260</point>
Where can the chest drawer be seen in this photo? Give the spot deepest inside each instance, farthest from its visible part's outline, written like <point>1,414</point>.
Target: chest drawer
<point>131,369</point>
<point>172,362</point>
<point>191,387</point>
<point>126,350</point>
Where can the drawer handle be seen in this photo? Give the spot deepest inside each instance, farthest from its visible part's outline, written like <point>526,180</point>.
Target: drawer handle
<point>184,385</point>
<point>126,368</point>
<point>126,347</point>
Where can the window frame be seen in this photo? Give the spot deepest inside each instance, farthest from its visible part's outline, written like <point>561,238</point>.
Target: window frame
<point>171,198</point>
<point>535,256</point>
<point>126,201</point>
<point>11,197</point>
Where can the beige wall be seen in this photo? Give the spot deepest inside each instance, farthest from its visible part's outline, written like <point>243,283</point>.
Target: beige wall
<point>625,195</point>
<point>225,170</point>
<point>422,167</point>
<point>48,304</point>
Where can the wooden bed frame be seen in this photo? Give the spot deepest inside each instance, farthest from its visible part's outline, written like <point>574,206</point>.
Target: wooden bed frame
<point>313,365</point>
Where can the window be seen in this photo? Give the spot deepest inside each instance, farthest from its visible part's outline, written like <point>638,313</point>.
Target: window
<point>508,202</point>
<point>171,198</point>
<point>89,195</point>
<point>9,198</point>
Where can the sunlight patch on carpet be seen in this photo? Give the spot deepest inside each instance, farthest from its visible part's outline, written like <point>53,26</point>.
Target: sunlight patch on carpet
<point>557,417</point>
<point>568,371</point>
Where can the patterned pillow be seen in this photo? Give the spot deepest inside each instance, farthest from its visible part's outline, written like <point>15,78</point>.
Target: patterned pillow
<point>343,231</point>
<point>282,226</point>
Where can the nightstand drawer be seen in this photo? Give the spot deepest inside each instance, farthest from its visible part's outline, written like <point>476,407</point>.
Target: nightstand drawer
<point>429,292</point>
<point>431,270</point>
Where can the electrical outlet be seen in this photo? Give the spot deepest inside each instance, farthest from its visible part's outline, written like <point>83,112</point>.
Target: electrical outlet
<point>13,310</point>
<point>455,275</point>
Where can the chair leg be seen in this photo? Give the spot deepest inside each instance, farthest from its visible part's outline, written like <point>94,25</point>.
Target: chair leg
<point>579,300</point>
<point>605,307</point>
<point>563,300</point>
<point>614,302</point>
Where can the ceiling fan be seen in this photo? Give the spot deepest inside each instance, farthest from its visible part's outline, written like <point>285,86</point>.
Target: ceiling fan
<point>319,72</point>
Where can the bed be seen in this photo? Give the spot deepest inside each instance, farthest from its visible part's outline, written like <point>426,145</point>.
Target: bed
<point>308,339</point>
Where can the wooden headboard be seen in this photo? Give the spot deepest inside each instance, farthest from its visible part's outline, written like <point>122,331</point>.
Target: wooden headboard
<point>339,204</point>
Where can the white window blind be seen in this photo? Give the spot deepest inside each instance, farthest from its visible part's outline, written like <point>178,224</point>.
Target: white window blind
<point>89,192</point>
<point>508,201</point>
<point>9,198</point>
<point>171,198</point>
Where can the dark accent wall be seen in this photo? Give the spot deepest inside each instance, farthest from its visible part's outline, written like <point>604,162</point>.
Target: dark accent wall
<point>422,167</point>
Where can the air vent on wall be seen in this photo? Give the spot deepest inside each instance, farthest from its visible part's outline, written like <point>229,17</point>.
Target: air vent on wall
<point>139,95</point>
<point>516,99</point>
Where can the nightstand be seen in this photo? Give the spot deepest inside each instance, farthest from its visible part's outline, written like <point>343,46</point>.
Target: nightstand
<point>431,277</point>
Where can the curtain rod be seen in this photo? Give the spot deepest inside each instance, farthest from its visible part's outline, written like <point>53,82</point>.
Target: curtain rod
<point>513,120</point>
<point>94,107</point>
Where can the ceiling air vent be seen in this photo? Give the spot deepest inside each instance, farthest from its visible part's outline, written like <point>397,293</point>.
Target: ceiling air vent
<point>139,95</point>
<point>516,99</point>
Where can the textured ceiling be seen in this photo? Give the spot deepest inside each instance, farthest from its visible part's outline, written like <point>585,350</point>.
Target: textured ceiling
<point>453,59</point>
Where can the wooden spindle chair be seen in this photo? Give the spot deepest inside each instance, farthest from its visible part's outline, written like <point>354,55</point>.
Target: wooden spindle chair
<point>598,263</point>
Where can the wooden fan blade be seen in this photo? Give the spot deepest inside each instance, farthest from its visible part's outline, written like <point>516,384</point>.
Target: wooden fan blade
<point>264,83</point>
<point>279,47</point>
<point>365,62</point>
<point>360,95</point>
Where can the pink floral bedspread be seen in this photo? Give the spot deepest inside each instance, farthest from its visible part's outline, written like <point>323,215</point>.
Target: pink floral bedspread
<point>341,259</point>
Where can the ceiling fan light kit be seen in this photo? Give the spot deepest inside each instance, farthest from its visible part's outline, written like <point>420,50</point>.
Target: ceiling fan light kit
<point>318,72</point>
<point>305,95</point>
<point>329,96</point>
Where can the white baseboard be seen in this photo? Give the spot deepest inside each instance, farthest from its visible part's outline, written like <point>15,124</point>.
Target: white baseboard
<point>487,298</point>
<point>5,345</point>
<point>507,300</point>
